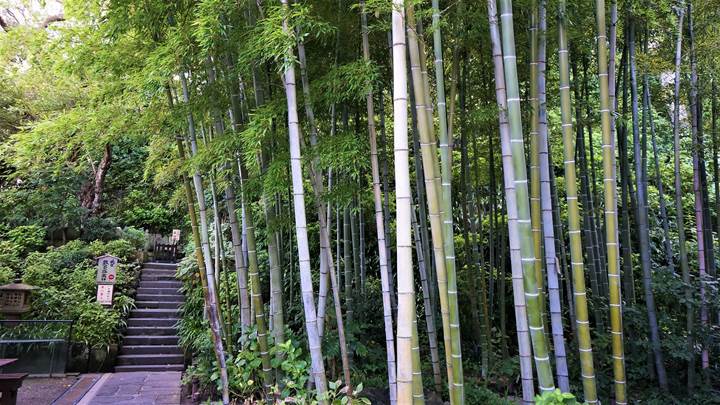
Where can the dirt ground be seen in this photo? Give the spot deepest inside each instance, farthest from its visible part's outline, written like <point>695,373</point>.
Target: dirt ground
<point>43,391</point>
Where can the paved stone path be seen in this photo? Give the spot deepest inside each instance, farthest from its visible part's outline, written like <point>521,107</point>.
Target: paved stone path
<point>135,388</point>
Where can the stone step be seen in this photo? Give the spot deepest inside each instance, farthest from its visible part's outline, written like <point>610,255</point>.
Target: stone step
<point>160,298</point>
<point>159,271</point>
<point>172,367</point>
<point>151,330</point>
<point>158,291</point>
<point>142,340</point>
<point>150,359</point>
<point>153,322</point>
<point>154,276</point>
<point>160,266</point>
<point>157,304</point>
<point>151,349</point>
<point>160,284</point>
<point>154,313</point>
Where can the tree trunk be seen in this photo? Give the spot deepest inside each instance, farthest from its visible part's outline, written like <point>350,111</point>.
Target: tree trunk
<point>91,194</point>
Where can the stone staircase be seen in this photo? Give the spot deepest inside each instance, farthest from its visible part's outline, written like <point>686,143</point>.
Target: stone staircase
<point>151,341</point>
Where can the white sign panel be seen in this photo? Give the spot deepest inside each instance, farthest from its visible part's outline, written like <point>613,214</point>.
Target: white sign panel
<point>107,269</point>
<point>175,236</point>
<point>105,294</point>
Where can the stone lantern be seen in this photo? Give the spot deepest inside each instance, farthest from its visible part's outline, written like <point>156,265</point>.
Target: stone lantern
<point>15,299</point>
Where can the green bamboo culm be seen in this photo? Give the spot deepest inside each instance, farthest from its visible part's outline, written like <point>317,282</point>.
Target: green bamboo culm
<point>611,221</point>
<point>587,368</point>
<point>417,383</point>
<point>431,171</point>
<point>535,206</point>
<point>256,292</point>
<point>532,297</point>
<point>457,388</point>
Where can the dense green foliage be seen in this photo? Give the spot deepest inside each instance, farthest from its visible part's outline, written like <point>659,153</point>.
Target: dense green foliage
<point>111,92</point>
<point>66,280</point>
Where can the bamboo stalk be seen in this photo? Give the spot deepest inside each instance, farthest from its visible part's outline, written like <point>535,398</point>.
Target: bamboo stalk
<point>587,368</point>
<point>524,231</point>
<point>611,229</point>
<point>521,322</point>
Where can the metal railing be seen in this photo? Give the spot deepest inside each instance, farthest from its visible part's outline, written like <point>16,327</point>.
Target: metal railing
<point>38,344</point>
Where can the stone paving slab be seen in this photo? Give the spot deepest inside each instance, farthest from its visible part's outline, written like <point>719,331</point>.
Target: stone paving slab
<point>136,388</point>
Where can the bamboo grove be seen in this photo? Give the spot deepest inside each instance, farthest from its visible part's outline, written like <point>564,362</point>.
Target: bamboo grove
<point>436,199</point>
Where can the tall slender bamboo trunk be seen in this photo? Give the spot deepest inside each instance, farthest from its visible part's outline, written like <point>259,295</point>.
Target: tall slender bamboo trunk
<point>477,231</point>
<point>380,222</point>
<point>403,200</point>
<point>308,297</point>
<point>679,215</point>
<point>524,231</point>
<point>548,229</point>
<point>386,205</point>
<point>442,181</point>
<point>325,248</point>
<point>626,186</point>
<point>256,294</point>
<point>433,190</point>
<point>534,154</point>
<point>521,321</point>
<point>611,229</point>
<point>198,187</point>
<point>457,387</point>
<point>697,186</point>
<point>347,266</point>
<point>427,304</point>
<point>658,180</point>
<point>576,257</point>
<point>642,219</point>
<point>210,305</point>
<point>471,256</point>
<point>715,163</point>
<point>591,189</point>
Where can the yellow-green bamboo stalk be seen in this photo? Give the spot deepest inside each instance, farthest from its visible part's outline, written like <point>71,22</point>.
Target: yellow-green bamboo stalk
<point>535,206</point>
<point>587,368</point>
<point>456,389</point>
<point>611,228</point>
<point>431,171</point>
<point>537,335</point>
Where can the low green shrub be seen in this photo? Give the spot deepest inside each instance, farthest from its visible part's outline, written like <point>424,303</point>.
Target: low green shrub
<point>121,248</point>
<point>9,259</point>
<point>97,228</point>
<point>555,397</point>
<point>135,236</point>
<point>7,275</point>
<point>66,279</point>
<point>26,238</point>
<point>477,394</point>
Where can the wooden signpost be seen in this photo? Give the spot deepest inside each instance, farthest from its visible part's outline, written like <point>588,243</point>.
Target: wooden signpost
<point>175,237</point>
<point>106,278</point>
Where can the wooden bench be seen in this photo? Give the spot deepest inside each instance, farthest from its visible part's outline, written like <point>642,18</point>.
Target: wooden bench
<point>9,385</point>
